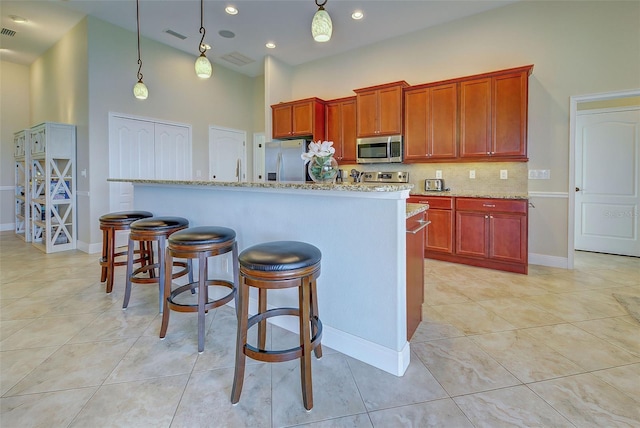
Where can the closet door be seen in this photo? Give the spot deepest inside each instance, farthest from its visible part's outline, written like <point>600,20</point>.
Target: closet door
<point>172,152</point>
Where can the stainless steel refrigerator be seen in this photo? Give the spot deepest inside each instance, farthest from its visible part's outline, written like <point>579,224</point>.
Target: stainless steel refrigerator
<point>283,161</point>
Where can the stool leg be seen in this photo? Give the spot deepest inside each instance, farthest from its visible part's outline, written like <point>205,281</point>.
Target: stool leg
<point>202,297</point>
<point>242,301</point>
<point>127,287</point>
<point>262,325</point>
<point>305,342</point>
<point>236,275</point>
<point>163,272</point>
<point>315,314</point>
<point>103,259</point>
<point>111,258</point>
<point>168,259</point>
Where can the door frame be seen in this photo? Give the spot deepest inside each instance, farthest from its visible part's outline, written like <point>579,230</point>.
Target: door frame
<point>244,147</point>
<point>573,113</point>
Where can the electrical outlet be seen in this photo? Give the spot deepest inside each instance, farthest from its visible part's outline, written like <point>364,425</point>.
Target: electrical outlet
<point>438,173</point>
<point>503,174</point>
<point>472,173</point>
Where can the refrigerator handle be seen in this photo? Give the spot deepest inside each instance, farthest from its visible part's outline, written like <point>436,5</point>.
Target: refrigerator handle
<point>278,166</point>
<point>238,169</point>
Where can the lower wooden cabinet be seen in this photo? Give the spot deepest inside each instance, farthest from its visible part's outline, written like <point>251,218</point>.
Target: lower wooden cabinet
<point>439,235</point>
<point>415,271</point>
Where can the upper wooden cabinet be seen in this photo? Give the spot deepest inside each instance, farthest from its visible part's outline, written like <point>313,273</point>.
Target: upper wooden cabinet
<point>379,109</point>
<point>431,122</point>
<point>341,128</point>
<point>493,115</point>
<point>301,118</point>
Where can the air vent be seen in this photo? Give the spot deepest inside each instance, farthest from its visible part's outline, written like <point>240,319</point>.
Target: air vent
<point>237,58</point>
<point>7,32</point>
<point>174,34</point>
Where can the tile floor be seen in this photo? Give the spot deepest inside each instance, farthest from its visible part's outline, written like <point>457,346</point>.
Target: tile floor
<point>550,349</point>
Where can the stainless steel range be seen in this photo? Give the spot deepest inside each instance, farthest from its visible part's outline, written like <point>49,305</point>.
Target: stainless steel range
<point>385,177</point>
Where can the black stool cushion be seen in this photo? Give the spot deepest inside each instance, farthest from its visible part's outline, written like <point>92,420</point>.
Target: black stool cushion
<point>202,235</point>
<point>159,223</point>
<point>125,216</point>
<point>279,256</point>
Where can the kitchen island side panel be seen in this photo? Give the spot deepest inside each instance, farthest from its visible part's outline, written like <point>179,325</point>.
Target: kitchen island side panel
<point>361,289</point>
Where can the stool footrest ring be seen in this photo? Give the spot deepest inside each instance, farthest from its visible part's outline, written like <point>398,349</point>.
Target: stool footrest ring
<point>271,356</point>
<point>193,307</point>
<point>146,268</point>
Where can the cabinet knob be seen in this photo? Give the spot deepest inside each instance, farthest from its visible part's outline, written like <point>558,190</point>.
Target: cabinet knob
<point>486,216</point>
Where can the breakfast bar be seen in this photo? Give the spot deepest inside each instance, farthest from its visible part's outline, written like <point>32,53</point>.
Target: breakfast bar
<point>359,228</point>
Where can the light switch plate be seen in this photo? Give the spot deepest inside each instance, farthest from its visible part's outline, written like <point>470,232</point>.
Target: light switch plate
<point>438,173</point>
<point>472,173</point>
<point>504,174</point>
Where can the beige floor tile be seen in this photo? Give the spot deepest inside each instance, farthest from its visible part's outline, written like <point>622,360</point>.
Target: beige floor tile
<point>623,378</point>
<point>207,399</point>
<point>509,407</point>
<point>472,318</point>
<point>572,342</point>
<point>7,328</point>
<point>520,313</point>
<point>48,332</point>
<point>526,358</point>
<point>462,367</point>
<point>355,421</point>
<point>615,330</point>
<point>587,401</point>
<point>565,306</point>
<point>434,330</point>
<point>29,307</point>
<point>118,324</point>
<point>50,409</point>
<point>15,365</point>
<point>74,366</point>
<point>381,390</point>
<point>151,403</point>
<point>335,393</point>
<point>440,413</point>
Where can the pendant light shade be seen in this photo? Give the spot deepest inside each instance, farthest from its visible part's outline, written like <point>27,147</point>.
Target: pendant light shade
<point>140,90</point>
<point>202,66</point>
<point>321,26</point>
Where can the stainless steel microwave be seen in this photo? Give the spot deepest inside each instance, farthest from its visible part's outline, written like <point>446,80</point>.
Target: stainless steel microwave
<point>386,149</point>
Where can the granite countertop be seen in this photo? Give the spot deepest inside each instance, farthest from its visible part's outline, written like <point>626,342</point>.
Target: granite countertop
<point>473,194</point>
<point>351,187</point>
<point>414,209</point>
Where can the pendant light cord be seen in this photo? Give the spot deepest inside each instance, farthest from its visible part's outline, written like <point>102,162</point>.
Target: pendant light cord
<point>202,48</point>
<point>138,21</point>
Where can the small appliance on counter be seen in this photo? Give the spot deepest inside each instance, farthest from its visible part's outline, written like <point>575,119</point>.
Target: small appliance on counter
<point>434,185</point>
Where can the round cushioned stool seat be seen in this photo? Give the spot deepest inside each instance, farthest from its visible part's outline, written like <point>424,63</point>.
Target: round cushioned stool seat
<point>280,256</point>
<point>159,224</point>
<point>202,235</point>
<point>124,217</point>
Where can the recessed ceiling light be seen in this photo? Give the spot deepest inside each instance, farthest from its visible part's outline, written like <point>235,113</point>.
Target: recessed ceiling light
<point>271,45</point>
<point>16,18</point>
<point>227,34</point>
<point>231,10</point>
<point>357,15</point>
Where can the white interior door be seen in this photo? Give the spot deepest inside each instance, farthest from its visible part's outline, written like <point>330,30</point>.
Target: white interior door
<point>606,201</point>
<point>172,152</point>
<point>227,154</point>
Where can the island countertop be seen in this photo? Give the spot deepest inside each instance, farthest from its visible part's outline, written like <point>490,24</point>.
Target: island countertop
<point>359,228</point>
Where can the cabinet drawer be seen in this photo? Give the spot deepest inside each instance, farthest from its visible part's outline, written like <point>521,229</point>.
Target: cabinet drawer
<point>491,205</point>
<point>437,202</point>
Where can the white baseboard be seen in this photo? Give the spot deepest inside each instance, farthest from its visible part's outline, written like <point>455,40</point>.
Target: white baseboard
<point>7,226</point>
<point>549,261</point>
<point>393,362</point>
<point>89,248</point>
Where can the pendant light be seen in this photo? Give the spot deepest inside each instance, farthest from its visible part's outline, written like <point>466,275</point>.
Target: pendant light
<point>321,26</point>
<point>203,66</point>
<point>140,90</point>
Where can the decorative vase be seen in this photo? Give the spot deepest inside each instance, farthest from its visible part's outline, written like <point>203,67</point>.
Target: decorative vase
<point>323,169</point>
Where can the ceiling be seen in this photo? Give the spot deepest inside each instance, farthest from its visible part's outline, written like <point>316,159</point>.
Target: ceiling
<point>287,23</point>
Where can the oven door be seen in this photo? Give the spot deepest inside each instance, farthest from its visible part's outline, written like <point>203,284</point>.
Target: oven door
<point>373,152</point>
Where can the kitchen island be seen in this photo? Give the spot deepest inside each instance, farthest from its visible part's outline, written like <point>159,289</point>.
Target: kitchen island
<point>359,228</point>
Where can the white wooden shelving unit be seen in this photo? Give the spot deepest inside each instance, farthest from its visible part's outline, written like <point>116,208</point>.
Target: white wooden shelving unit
<point>22,159</point>
<point>52,176</point>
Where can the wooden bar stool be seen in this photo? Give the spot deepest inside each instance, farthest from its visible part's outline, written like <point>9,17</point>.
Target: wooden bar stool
<point>199,243</point>
<point>109,224</point>
<point>148,231</point>
<point>279,265</point>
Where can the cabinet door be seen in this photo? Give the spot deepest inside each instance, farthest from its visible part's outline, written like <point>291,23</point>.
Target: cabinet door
<point>472,234</point>
<point>440,232</point>
<point>349,130</point>
<point>475,118</point>
<point>443,122</point>
<point>510,115</point>
<point>415,124</point>
<point>367,114</point>
<point>507,239</point>
<point>334,127</point>
<point>390,110</point>
<point>282,117</point>
<point>302,121</point>
<point>415,274</point>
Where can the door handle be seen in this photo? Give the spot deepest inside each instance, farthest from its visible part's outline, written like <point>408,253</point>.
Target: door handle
<point>577,189</point>
<point>423,224</point>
